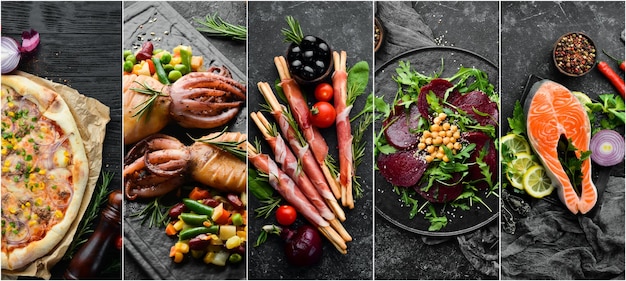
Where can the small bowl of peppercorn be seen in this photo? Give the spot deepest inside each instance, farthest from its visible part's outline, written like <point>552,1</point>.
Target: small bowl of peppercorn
<point>574,54</point>
<point>379,34</point>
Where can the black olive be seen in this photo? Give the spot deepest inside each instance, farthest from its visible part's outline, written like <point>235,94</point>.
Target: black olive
<point>320,64</point>
<point>308,72</point>
<point>296,64</point>
<point>308,41</point>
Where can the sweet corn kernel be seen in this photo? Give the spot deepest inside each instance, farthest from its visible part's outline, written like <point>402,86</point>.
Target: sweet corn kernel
<point>11,114</point>
<point>4,151</point>
<point>5,169</point>
<point>27,204</point>
<point>178,257</point>
<point>10,104</point>
<point>179,225</point>
<point>32,222</point>
<point>208,258</point>
<point>42,171</point>
<point>58,214</point>
<point>12,210</point>
<point>233,242</point>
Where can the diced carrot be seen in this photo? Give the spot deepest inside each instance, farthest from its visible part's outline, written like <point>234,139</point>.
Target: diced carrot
<point>151,67</point>
<point>173,251</point>
<point>199,194</point>
<point>170,230</point>
<point>196,62</point>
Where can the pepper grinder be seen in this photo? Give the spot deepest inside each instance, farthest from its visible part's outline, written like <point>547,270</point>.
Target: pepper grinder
<point>87,262</point>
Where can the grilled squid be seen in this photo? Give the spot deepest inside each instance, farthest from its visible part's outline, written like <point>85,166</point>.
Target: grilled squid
<point>159,164</point>
<point>197,100</point>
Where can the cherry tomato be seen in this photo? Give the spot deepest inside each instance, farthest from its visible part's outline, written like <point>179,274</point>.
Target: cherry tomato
<point>323,114</point>
<point>324,92</point>
<point>119,242</point>
<point>286,215</point>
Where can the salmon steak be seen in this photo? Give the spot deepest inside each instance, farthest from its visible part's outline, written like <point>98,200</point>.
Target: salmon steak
<point>553,111</point>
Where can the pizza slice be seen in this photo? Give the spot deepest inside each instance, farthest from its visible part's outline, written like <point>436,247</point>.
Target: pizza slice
<point>44,170</point>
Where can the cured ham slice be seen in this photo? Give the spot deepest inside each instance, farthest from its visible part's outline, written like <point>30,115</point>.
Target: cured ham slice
<point>344,131</point>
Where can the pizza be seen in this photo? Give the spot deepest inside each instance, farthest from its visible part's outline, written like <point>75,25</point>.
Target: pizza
<point>44,170</point>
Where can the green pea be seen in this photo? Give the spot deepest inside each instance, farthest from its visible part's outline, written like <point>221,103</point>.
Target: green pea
<point>128,66</point>
<point>166,57</point>
<point>174,75</point>
<point>127,53</point>
<point>235,258</point>
<point>156,51</point>
<point>237,219</point>
<point>168,67</point>
<point>131,58</point>
<point>182,68</point>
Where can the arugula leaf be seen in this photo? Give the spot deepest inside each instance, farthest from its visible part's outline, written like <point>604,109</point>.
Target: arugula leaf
<point>259,187</point>
<point>484,168</point>
<point>571,163</point>
<point>518,122</point>
<point>436,222</point>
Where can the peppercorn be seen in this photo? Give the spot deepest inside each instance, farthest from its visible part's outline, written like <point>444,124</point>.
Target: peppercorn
<point>575,54</point>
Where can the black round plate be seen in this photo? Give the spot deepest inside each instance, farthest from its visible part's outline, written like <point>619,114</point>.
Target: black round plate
<point>388,204</point>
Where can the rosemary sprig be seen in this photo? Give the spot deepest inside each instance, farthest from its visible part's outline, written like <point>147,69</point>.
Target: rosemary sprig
<point>85,227</point>
<point>155,213</point>
<point>216,26</point>
<point>146,107</point>
<point>232,147</point>
<point>293,34</point>
<point>359,148</point>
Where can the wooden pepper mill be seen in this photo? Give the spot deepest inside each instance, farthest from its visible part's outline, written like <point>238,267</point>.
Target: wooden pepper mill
<point>87,262</point>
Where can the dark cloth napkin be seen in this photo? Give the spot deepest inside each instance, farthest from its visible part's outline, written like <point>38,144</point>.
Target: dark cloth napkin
<point>405,31</point>
<point>552,243</point>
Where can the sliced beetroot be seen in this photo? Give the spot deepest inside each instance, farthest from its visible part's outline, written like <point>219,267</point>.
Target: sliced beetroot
<point>481,102</point>
<point>438,87</point>
<point>441,193</point>
<point>481,140</point>
<point>402,168</point>
<point>398,133</point>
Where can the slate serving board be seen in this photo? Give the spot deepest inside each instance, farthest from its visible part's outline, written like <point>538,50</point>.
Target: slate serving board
<point>150,246</point>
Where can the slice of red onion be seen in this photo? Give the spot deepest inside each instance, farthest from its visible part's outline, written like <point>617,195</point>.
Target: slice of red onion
<point>30,41</point>
<point>10,54</point>
<point>607,148</point>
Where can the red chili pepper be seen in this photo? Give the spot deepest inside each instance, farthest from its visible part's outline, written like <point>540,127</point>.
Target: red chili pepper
<point>612,76</point>
<point>620,62</point>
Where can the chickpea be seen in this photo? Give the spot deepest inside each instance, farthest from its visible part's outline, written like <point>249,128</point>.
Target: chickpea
<point>443,115</point>
<point>427,134</point>
<point>446,126</point>
<point>440,155</point>
<point>437,120</point>
<point>441,150</point>
<point>452,140</point>
<point>456,134</point>
<point>429,158</point>
<point>429,141</point>
<point>457,146</point>
<point>445,158</point>
<point>454,128</point>
<point>449,133</point>
<point>421,146</point>
<point>437,141</point>
<point>450,146</point>
<point>435,128</point>
<point>446,140</point>
<point>442,133</point>
<point>430,149</point>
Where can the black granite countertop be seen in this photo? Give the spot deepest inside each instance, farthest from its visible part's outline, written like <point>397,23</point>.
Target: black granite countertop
<point>400,254</point>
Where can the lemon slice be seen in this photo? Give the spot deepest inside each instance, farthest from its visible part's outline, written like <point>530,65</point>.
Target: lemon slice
<point>518,167</point>
<point>537,183</point>
<point>515,144</point>
<point>584,99</point>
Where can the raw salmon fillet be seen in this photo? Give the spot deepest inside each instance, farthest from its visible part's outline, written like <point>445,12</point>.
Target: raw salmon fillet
<point>551,111</point>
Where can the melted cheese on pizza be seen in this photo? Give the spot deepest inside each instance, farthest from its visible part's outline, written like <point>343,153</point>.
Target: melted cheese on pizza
<point>36,176</point>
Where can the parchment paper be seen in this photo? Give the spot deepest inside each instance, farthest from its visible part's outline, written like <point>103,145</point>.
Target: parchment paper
<point>91,118</point>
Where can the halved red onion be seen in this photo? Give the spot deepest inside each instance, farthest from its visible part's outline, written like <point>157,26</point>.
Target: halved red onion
<point>607,148</point>
<point>20,236</point>
<point>10,54</point>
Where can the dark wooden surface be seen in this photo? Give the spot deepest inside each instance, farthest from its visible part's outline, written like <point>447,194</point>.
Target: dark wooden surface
<point>344,26</point>
<point>80,46</point>
<point>400,254</point>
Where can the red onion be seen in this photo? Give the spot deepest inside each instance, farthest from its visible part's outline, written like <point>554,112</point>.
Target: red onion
<point>10,54</point>
<point>607,148</point>
<point>30,41</point>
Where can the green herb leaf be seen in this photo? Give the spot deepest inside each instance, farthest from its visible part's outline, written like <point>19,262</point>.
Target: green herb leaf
<point>293,34</point>
<point>436,222</point>
<point>216,26</point>
<point>358,77</point>
<point>145,108</point>
<point>518,122</point>
<point>232,147</point>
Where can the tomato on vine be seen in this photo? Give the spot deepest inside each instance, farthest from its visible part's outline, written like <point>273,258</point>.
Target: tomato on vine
<point>323,114</point>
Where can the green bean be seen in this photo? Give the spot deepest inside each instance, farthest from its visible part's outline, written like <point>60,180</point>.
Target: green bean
<point>196,206</point>
<point>193,232</point>
<point>163,77</point>
<point>193,219</point>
